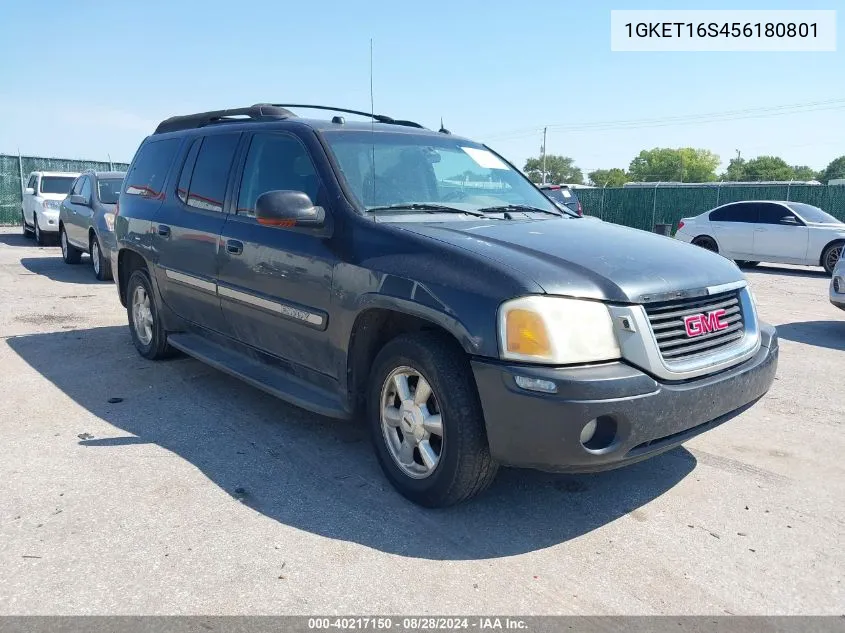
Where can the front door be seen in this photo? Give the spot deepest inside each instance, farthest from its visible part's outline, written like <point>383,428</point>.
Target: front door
<point>79,216</point>
<point>779,236</point>
<point>186,231</point>
<point>275,283</point>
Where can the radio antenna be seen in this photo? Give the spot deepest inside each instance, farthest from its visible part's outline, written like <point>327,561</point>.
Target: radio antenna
<point>372,124</point>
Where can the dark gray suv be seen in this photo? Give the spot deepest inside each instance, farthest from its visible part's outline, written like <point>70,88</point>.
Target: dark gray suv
<point>418,280</point>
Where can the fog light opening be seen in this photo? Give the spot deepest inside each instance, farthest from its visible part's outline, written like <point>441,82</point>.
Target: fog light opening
<point>598,433</point>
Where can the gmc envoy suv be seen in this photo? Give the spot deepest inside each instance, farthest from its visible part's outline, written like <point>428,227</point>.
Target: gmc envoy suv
<point>418,280</point>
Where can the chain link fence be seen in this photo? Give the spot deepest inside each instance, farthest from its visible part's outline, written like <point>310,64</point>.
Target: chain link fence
<point>643,207</point>
<point>15,170</point>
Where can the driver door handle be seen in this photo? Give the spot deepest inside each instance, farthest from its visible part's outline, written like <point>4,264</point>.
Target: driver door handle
<point>234,247</point>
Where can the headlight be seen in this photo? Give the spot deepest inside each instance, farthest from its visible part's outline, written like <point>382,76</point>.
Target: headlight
<point>556,330</point>
<point>52,205</point>
<point>109,218</point>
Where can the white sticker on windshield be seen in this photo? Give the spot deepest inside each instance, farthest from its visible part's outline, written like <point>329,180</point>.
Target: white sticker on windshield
<point>484,158</point>
<point>566,193</point>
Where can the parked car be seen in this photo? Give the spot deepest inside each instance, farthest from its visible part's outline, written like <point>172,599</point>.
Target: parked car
<point>42,197</point>
<point>837,283</point>
<point>755,231</point>
<point>322,261</point>
<point>563,196</point>
<point>86,220</point>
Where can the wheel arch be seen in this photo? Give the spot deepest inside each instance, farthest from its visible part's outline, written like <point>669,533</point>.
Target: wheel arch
<point>838,240</point>
<point>128,261</point>
<point>706,236</point>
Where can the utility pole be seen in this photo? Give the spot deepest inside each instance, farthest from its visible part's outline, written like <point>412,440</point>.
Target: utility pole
<point>544,156</point>
<point>738,155</point>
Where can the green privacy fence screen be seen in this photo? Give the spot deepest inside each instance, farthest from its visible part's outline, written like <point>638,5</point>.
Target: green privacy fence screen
<point>10,178</point>
<point>643,207</point>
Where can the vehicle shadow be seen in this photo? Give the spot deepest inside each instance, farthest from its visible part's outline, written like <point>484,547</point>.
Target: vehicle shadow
<point>55,268</point>
<point>317,474</point>
<point>789,272</point>
<point>16,239</point>
<point>828,334</point>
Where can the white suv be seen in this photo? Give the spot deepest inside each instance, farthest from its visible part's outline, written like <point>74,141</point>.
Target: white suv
<point>42,198</point>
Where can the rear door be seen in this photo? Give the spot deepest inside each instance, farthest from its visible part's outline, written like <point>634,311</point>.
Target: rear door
<point>275,283</point>
<point>779,235</point>
<point>733,225</point>
<point>187,227</point>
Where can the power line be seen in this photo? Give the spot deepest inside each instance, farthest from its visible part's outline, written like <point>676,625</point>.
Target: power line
<point>712,117</point>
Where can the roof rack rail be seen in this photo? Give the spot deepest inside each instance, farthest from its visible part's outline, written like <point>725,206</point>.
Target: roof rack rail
<point>381,118</point>
<point>257,112</point>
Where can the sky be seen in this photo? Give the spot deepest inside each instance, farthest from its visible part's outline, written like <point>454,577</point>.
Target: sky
<point>91,79</point>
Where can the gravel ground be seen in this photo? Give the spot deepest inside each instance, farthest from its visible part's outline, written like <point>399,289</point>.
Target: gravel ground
<point>133,487</point>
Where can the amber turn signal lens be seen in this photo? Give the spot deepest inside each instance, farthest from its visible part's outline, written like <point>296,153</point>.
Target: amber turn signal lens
<point>527,334</point>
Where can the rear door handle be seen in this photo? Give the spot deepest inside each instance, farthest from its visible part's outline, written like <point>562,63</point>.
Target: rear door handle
<point>164,230</point>
<point>234,247</point>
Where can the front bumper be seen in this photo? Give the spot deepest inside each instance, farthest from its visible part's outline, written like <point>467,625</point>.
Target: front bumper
<point>838,298</point>
<point>543,431</point>
<point>48,221</point>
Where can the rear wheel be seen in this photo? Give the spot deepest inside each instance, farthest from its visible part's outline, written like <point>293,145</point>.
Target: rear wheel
<point>145,325</point>
<point>70,253</point>
<point>426,421</point>
<point>707,243</point>
<point>831,256</point>
<point>102,267</point>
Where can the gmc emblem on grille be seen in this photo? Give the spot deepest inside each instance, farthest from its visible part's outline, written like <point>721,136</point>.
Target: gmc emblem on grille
<point>698,324</point>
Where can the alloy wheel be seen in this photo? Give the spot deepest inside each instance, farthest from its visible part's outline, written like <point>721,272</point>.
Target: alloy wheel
<point>142,315</point>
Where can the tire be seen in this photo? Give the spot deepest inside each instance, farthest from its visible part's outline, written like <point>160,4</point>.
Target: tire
<point>40,238</point>
<point>831,255</point>
<point>464,466</point>
<point>707,243</point>
<point>745,264</point>
<point>148,335</point>
<point>27,232</point>
<point>70,253</point>
<point>101,266</point>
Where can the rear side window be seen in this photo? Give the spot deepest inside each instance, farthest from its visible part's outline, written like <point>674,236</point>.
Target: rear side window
<point>187,170</point>
<point>149,170</point>
<point>211,172</point>
<point>735,213</point>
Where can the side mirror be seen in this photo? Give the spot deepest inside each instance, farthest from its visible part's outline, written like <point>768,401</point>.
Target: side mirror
<point>80,200</point>
<point>789,219</point>
<point>288,209</point>
<point>29,191</point>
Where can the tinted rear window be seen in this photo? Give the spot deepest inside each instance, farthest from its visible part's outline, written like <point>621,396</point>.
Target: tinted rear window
<point>56,184</point>
<point>563,196</point>
<point>149,170</point>
<point>735,213</point>
<point>211,171</point>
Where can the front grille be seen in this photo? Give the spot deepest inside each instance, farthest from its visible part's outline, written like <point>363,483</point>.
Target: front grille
<point>667,323</point>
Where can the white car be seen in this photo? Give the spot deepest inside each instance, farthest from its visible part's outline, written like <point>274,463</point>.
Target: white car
<point>837,284</point>
<point>754,231</point>
<point>42,199</point>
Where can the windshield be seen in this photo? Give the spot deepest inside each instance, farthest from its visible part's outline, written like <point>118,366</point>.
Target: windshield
<point>56,184</point>
<point>108,189</point>
<point>389,169</point>
<point>809,213</point>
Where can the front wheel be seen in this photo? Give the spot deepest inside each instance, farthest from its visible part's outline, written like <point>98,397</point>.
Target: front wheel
<point>102,267</point>
<point>145,326</point>
<point>40,238</point>
<point>831,256</point>
<point>746,264</point>
<point>70,253</point>
<point>426,421</point>
<point>27,232</point>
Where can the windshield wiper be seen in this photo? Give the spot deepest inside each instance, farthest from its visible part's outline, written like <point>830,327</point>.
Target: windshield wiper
<point>519,207</point>
<point>419,206</point>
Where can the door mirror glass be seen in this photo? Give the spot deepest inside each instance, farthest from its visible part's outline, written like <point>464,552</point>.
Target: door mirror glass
<point>80,200</point>
<point>288,209</point>
<point>790,220</point>
<point>29,191</point>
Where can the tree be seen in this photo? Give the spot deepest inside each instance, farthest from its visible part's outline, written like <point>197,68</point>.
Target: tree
<point>768,168</point>
<point>735,171</point>
<point>836,169</point>
<point>558,169</point>
<point>613,177</point>
<point>684,164</point>
<point>803,172</point>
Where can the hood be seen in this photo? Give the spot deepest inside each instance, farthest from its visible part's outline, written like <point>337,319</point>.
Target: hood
<point>53,196</point>
<point>595,260</point>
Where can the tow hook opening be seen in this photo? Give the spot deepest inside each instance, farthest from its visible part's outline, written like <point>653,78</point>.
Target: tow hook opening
<point>599,433</point>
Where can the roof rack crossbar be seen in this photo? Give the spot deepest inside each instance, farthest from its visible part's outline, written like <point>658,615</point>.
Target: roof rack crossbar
<point>381,118</point>
<point>257,112</point>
